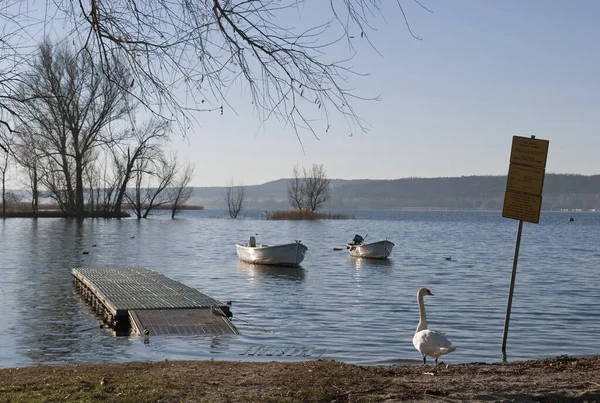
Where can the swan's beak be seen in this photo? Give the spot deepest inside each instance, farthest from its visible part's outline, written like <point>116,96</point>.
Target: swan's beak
<point>429,293</point>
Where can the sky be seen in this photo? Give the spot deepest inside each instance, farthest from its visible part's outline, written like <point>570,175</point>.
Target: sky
<point>449,103</point>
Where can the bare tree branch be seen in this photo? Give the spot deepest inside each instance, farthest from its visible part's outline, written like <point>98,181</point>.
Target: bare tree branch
<point>316,187</point>
<point>69,107</point>
<point>181,192</point>
<point>235,197</point>
<point>295,189</point>
<point>184,55</point>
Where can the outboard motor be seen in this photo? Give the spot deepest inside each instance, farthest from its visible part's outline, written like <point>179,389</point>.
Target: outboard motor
<point>252,242</point>
<point>357,239</point>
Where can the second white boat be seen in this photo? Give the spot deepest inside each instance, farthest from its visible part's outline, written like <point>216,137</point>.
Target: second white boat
<point>373,250</point>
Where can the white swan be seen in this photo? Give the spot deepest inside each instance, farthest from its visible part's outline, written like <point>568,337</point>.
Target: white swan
<point>429,342</point>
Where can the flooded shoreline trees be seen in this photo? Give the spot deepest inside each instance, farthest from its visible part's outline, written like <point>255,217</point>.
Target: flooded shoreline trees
<point>169,61</point>
<point>235,198</point>
<point>307,191</point>
<point>310,189</point>
<point>79,138</point>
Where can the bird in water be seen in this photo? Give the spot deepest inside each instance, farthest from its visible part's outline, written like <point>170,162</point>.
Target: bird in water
<point>448,257</point>
<point>429,342</point>
<point>146,333</point>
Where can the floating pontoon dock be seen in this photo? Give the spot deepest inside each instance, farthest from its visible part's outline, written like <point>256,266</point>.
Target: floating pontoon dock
<point>131,300</point>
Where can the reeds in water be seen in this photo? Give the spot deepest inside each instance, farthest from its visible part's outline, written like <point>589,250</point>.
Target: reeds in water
<point>305,215</point>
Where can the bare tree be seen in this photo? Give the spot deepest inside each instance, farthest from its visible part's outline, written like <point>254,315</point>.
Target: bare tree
<point>134,158</point>
<point>181,193</point>
<point>295,191</point>
<point>3,170</point>
<point>12,199</point>
<point>201,48</point>
<point>316,187</point>
<point>14,24</point>
<point>26,154</point>
<point>102,183</point>
<point>235,197</point>
<point>152,179</point>
<point>180,49</point>
<point>70,106</point>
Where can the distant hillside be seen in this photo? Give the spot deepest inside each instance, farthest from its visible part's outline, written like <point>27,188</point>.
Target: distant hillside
<point>467,192</point>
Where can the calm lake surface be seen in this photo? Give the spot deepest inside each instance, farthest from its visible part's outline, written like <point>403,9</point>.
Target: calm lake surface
<point>332,307</point>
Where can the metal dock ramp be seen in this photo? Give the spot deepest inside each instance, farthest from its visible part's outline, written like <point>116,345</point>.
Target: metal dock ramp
<point>140,300</point>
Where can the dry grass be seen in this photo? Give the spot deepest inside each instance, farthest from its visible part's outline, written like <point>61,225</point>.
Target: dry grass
<point>552,380</point>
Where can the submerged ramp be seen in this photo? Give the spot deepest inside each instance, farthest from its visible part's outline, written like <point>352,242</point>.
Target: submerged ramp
<point>131,300</point>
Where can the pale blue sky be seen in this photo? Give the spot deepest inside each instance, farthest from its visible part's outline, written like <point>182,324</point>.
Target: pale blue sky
<point>450,104</point>
<point>484,71</point>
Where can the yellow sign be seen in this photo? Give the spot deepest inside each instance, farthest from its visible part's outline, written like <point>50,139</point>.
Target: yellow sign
<point>525,179</point>
<point>529,151</point>
<point>521,206</point>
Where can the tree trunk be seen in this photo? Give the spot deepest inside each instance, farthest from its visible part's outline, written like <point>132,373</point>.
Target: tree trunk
<point>34,193</point>
<point>3,194</point>
<point>79,201</point>
<point>121,192</point>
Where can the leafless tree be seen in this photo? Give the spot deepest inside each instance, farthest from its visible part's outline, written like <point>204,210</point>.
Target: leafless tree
<point>202,48</point>
<point>4,156</point>
<point>180,49</point>
<point>71,105</point>
<point>152,179</point>
<point>316,187</point>
<point>295,191</point>
<point>309,191</point>
<point>26,154</point>
<point>101,183</point>
<point>235,197</point>
<point>14,34</point>
<point>136,157</point>
<point>52,178</point>
<point>181,193</point>
<point>12,199</point>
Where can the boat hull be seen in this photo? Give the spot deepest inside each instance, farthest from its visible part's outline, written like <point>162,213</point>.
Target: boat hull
<point>291,254</point>
<point>375,250</point>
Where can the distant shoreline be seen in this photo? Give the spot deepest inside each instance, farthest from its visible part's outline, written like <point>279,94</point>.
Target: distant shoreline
<point>59,214</point>
<point>56,213</point>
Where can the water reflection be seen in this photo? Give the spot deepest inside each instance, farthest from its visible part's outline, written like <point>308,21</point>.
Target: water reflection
<point>362,263</point>
<point>293,273</point>
<point>356,310</point>
<point>54,326</point>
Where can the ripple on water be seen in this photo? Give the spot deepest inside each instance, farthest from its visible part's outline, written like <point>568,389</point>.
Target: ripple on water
<point>332,306</point>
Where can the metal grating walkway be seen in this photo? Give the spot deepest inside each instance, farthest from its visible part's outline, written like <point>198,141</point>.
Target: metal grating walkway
<point>181,321</point>
<point>149,299</point>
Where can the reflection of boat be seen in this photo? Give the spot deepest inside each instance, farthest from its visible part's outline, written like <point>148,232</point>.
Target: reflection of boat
<point>374,250</point>
<point>291,272</point>
<point>289,254</point>
<point>362,262</point>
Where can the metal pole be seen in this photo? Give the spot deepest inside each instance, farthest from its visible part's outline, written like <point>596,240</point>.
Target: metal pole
<point>512,287</point>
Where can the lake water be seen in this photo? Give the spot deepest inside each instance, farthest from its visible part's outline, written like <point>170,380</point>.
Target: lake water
<point>332,307</point>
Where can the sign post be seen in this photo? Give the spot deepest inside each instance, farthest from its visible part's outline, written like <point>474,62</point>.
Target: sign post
<point>523,198</point>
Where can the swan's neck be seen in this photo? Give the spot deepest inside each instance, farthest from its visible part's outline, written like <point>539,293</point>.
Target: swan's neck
<point>422,317</point>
